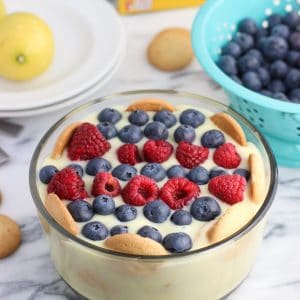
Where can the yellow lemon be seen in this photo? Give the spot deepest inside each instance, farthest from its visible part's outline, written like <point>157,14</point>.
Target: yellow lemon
<point>26,46</point>
<point>2,9</point>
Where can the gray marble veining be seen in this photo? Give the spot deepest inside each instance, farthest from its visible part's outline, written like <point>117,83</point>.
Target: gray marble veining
<point>30,274</point>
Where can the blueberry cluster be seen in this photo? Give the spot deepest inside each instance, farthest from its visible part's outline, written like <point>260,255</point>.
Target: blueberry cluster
<point>83,211</point>
<point>266,60</point>
<point>200,175</point>
<point>157,129</point>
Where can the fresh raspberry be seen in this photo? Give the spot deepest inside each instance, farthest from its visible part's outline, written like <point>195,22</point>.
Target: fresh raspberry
<point>140,190</point>
<point>157,151</point>
<point>177,192</point>
<point>105,184</point>
<point>128,154</point>
<point>226,156</point>
<point>228,188</point>
<point>67,184</point>
<point>190,155</point>
<point>87,142</point>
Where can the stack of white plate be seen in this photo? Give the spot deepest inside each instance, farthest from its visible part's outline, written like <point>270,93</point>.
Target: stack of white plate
<point>89,45</point>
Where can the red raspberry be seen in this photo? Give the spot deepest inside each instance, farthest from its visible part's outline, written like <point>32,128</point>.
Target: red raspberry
<point>128,154</point>
<point>228,188</point>
<point>140,190</point>
<point>105,183</point>
<point>87,142</point>
<point>177,192</point>
<point>67,184</point>
<point>157,151</point>
<point>190,155</point>
<point>225,156</point>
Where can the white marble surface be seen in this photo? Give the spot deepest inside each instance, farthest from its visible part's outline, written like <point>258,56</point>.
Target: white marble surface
<point>29,273</point>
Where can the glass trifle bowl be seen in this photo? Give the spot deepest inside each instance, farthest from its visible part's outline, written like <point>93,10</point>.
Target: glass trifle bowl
<point>209,271</point>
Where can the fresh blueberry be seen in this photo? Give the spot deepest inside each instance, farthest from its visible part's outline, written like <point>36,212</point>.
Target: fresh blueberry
<point>274,20</point>
<point>248,63</point>
<point>97,165</point>
<point>278,69</point>
<point>107,129</point>
<point>109,115</point>
<point>244,40</point>
<point>181,217</point>
<point>256,53</point>
<point>292,19</point>
<point>295,100</point>
<point>205,209</point>
<point>199,175</point>
<point>166,117</point>
<point>126,212</point>
<point>154,171</point>
<point>275,47</point>
<point>247,25</point>
<point>232,49</point>
<point>266,93</point>
<point>260,33</point>
<point>124,172</point>
<point>236,79</point>
<point>192,117</point>
<point>212,138</point>
<point>46,173</point>
<point>78,169</point>
<point>292,58</point>
<point>216,171</point>
<point>95,231</point>
<point>261,43</point>
<point>176,171</point>
<point>177,242</point>
<point>156,211</point>
<point>151,233</point>
<point>104,205</point>
<point>252,81</point>
<point>227,64</point>
<point>184,133</point>
<point>242,172</point>
<point>294,95</point>
<point>281,30</point>
<point>263,75</point>
<point>292,79</point>
<point>276,86</point>
<point>138,117</point>
<point>80,210</point>
<point>156,131</point>
<point>118,229</point>
<point>295,40</point>
<point>130,134</point>
<point>280,96</point>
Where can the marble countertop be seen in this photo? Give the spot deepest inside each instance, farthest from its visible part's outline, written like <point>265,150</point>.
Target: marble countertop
<point>30,274</point>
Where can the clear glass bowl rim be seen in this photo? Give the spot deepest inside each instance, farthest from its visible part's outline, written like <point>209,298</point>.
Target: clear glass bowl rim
<point>236,236</point>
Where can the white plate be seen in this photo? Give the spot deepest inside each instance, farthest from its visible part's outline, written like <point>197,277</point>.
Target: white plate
<point>89,38</point>
<point>86,96</point>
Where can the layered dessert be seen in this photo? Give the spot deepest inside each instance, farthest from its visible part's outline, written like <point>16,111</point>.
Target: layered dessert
<point>152,178</point>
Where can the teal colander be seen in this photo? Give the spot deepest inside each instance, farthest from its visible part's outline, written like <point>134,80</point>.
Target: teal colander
<point>214,25</point>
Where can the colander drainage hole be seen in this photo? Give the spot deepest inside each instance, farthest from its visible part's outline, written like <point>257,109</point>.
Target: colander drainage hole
<point>262,120</point>
<point>251,119</point>
<point>255,110</point>
<point>249,110</point>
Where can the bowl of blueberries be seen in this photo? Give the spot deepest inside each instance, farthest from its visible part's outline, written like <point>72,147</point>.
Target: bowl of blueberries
<point>252,50</point>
